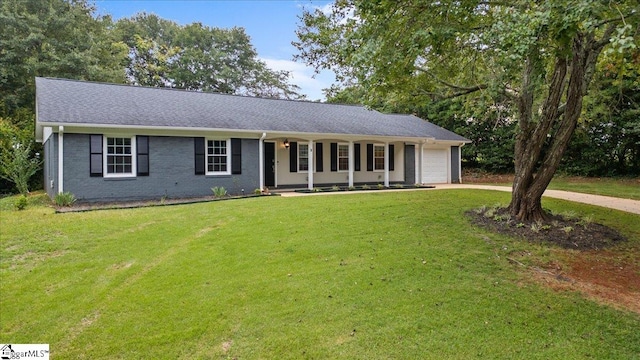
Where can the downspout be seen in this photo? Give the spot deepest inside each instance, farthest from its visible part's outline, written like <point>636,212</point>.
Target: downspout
<point>261,161</point>
<point>60,158</point>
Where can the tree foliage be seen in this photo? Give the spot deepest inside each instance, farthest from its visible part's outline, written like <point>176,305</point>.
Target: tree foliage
<point>198,57</point>
<point>536,55</point>
<point>54,38</point>
<point>488,123</point>
<point>607,140</point>
<point>17,163</point>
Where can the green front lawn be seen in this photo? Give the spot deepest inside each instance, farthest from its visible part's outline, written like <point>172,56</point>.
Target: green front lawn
<point>626,188</point>
<point>399,275</point>
<point>622,188</point>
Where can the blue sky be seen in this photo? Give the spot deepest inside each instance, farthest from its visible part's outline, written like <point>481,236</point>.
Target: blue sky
<point>271,24</point>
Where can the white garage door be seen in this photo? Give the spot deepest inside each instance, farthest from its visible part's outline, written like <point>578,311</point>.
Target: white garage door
<point>435,166</point>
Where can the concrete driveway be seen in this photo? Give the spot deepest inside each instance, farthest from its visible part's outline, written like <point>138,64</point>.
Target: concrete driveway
<point>628,205</point>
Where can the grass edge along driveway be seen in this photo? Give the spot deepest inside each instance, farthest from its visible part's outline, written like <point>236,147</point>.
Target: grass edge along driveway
<point>381,275</point>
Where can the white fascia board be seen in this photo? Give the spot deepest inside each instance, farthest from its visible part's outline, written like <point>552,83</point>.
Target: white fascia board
<point>155,130</point>
<point>446,142</point>
<point>46,134</point>
<point>345,138</point>
<point>239,133</point>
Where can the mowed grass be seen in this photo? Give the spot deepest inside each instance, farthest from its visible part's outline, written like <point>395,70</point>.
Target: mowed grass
<point>623,188</point>
<point>397,275</point>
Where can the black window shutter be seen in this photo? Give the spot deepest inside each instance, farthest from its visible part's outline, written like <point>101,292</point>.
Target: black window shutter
<point>199,151</point>
<point>369,157</point>
<point>391,162</point>
<point>334,156</point>
<point>142,161</point>
<point>318,157</point>
<point>356,150</point>
<point>236,156</point>
<point>95,160</point>
<point>293,157</point>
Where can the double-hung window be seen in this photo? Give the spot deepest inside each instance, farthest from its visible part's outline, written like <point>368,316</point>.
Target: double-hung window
<point>303,157</point>
<point>343,157</point>
<point>218,157</point>
<point>120,159</point>
<point>378,157</point>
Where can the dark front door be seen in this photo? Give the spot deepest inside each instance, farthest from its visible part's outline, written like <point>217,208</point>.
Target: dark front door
<point>269,164</point>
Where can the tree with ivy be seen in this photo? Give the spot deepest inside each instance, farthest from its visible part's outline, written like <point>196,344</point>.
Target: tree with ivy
<point>540,56</point>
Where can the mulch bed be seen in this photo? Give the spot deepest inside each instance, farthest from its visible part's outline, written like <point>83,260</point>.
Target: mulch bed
<point>567,233</point>
<point>88,206</point>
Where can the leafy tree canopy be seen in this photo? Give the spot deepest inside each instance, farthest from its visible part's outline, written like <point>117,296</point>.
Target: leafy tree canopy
<point>539,56</point>
<point>435,50</point>
<point>54,38</point>
<point>198,57</point>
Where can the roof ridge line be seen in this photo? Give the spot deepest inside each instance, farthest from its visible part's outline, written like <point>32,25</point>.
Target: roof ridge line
<point>133,86</point>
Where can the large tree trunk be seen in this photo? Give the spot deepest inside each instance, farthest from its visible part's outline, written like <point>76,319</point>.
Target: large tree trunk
<point>553,125</point>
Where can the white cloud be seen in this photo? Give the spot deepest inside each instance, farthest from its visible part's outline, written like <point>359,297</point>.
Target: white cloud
<point>303,76</point>
<point>326,9</point>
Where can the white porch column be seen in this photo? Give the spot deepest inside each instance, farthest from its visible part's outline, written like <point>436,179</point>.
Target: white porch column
<point>416,164</point>
<point>421,156</point>
<point>386,164</point>
<point>261,159</point>
<point>61,158</point>
<point>351,162</point>
<point>310,167</point>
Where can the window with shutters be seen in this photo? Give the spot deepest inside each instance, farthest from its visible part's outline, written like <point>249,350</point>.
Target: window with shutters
<point>218,157</point>
<point>119,156</point>
<point>303,157</point>
<point>343,157</point>
<point>378,157</point>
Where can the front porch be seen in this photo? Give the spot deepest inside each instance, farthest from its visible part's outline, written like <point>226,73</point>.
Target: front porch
<point>293,163</point>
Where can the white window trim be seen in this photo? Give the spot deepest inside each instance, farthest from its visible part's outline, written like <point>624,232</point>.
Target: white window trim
<point>206,157</point>
<point>300,144</point>
<point>338,157</point>
<point>105,154</point>
<point>374,157</point>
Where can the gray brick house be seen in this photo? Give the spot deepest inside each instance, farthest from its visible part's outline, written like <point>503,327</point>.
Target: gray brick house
<point>105,142</point>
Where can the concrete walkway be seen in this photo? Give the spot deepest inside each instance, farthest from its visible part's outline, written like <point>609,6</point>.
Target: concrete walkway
<point>628,205</point>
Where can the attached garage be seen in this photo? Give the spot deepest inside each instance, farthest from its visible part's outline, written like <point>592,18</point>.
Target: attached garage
<point>435,166</point>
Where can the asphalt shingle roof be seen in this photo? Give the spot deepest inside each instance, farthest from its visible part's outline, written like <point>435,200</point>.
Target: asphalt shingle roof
<point>82,102</point>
